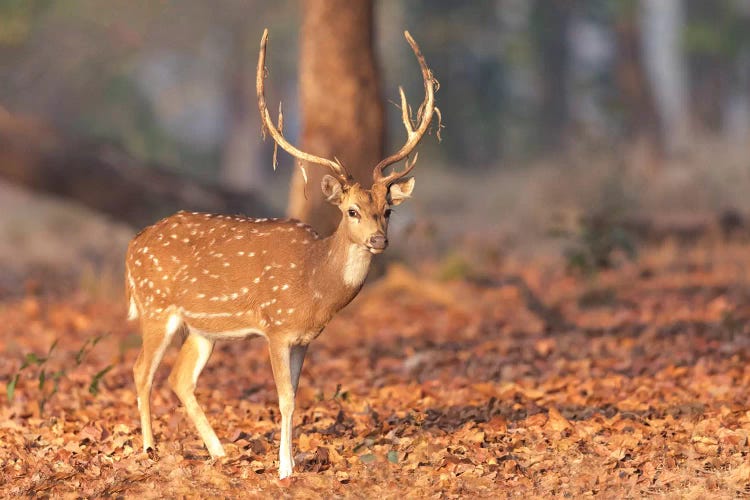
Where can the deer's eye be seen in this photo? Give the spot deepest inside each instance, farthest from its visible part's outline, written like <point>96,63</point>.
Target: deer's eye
<point>353,213</point>
<point>387,213</point>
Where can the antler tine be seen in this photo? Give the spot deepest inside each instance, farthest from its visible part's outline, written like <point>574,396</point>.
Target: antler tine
<point>408,165</point>
<point>424,116</point>
<point>336,167</point>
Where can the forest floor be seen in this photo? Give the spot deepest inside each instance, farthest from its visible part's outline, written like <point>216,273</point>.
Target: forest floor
<point>522,381</point>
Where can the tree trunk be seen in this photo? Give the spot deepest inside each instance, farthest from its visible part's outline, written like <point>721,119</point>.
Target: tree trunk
<point>591,54</point>
<point>551,32</point>
<point>104,178</point>
<point>341,104</point>
<point>662,23</point>
<point>736,109</point>
<point>637,101</point>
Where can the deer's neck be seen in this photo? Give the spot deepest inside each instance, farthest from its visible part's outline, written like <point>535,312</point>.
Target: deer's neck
<point>343,263</point>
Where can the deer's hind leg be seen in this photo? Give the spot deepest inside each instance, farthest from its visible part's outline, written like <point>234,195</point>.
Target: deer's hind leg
<point>157,334</point>
<point>190,363</point>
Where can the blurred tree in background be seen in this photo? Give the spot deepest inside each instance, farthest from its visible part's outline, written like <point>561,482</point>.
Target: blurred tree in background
<point>170,83</point>
<point>340,101</point>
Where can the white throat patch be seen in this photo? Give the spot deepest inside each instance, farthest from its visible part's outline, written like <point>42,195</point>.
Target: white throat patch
<point>356,266</point>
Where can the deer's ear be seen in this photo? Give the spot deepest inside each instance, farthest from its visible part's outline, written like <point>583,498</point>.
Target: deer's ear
<point>400,190</point>
<point>332,189</point>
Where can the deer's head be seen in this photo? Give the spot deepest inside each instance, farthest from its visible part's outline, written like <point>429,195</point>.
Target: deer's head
<point>365,212</point>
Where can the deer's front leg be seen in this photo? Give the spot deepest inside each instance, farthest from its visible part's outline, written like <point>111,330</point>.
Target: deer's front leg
<point>286,363</point>
<point>297,358</point>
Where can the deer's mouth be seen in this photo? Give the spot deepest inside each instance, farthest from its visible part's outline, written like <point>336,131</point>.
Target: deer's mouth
<point>374,250</point>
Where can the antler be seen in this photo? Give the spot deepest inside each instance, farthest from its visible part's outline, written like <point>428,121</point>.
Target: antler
<point>424,116</point>
<point>336,167</point>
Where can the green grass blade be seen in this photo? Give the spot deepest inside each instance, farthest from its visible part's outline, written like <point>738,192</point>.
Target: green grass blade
<point>10,389</point>
<point>94,385</point>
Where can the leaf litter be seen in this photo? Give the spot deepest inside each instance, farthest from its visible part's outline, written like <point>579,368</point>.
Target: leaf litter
<point>627,384</point>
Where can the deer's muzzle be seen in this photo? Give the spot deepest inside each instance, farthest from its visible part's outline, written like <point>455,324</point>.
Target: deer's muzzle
<point>377,243</point>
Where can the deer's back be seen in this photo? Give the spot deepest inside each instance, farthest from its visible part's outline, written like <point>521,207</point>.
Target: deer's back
<point>213,267</point>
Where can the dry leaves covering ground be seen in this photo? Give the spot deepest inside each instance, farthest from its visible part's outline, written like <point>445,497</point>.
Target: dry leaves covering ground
<point>633,383</point>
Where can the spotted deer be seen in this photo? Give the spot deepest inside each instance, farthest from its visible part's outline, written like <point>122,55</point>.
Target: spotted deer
<point>216,277</point>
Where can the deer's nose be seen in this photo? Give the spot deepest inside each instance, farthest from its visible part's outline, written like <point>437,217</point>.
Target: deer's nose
<point>378,241</point>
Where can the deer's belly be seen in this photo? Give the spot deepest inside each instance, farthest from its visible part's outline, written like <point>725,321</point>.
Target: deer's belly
<point>225,327</point>
<point>239,333</point>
